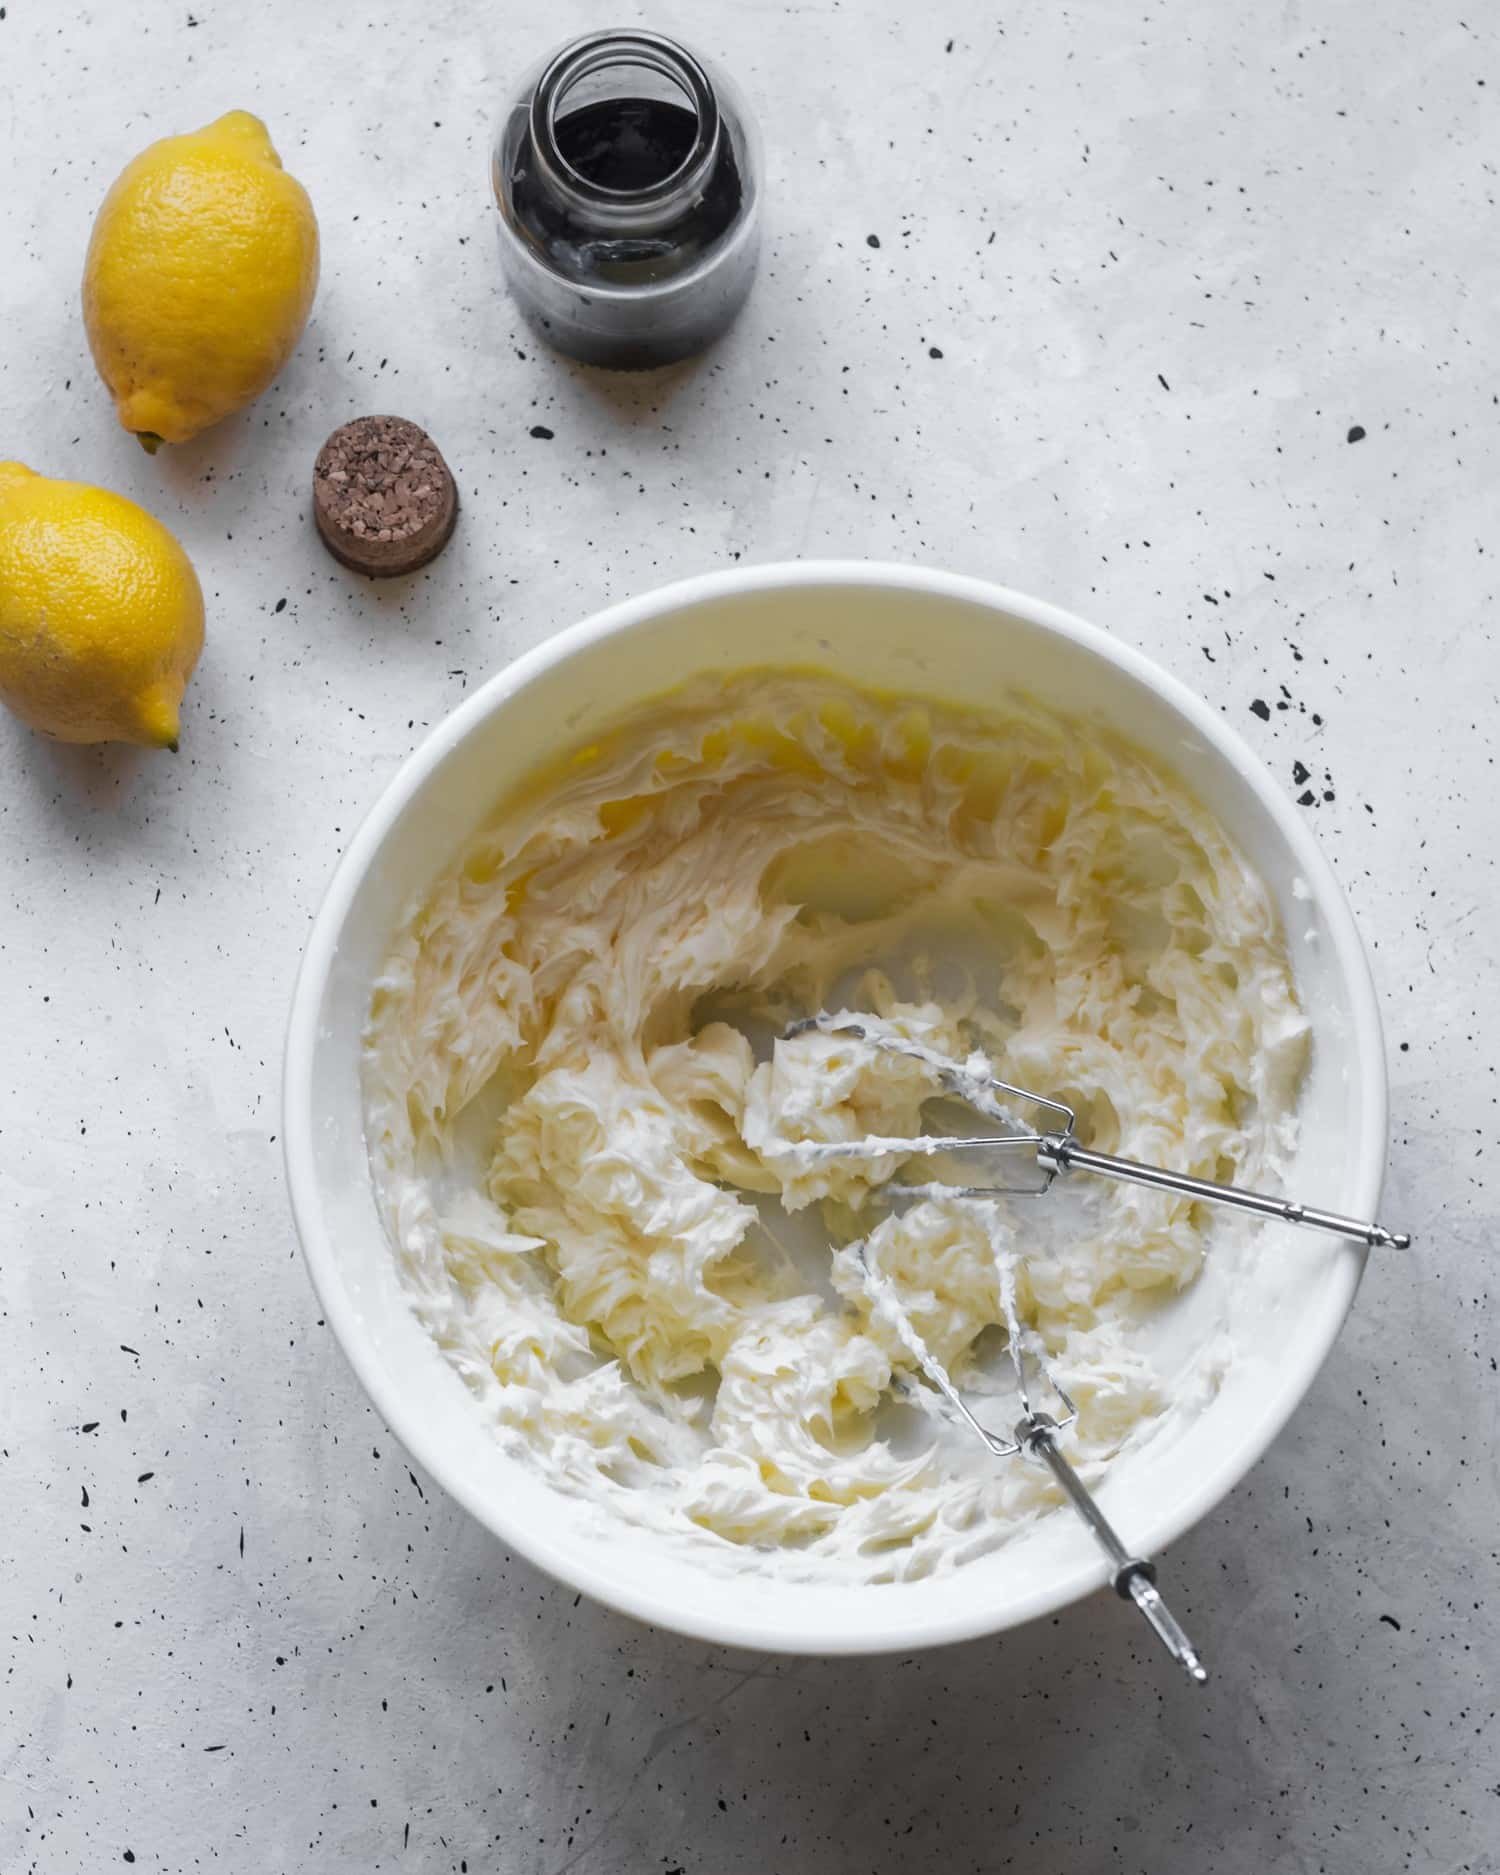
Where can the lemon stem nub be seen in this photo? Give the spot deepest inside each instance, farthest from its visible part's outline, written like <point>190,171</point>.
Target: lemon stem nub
<point>148,440</point>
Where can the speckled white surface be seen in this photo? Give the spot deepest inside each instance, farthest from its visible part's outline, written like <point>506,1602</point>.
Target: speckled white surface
<point>1140,272</point>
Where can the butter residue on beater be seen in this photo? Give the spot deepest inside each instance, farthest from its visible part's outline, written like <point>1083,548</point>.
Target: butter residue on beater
<point>569,1127</point>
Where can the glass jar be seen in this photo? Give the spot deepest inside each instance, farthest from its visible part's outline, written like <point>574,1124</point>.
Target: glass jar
<point>627,178</point>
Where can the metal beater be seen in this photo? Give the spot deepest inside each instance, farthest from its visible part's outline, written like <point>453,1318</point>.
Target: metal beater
<point>1051,1152</point>
<point>1036,1437</point>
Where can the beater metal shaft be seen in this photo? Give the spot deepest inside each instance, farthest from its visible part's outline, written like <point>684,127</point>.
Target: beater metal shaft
<point>1060,1152</point>
<point>1134,1577</point>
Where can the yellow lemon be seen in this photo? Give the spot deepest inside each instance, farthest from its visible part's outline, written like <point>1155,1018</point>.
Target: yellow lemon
<point>101,613</point>
<point>200,275</point>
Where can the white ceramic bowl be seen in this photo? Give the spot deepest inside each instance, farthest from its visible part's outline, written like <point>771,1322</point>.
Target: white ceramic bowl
<point>900,629</point>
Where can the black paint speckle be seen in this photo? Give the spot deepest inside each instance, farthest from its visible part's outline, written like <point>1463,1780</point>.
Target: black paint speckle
<point>1262,709</point>
<point>1301,773</point>
<point>542,433</point>
<point>1357,433</point>
<point>872,240</point>
<point>1391,1622</point>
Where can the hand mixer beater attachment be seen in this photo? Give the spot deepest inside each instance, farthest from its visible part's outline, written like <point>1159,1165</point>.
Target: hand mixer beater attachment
<point>1043,1153</point>
<point>1133,1578</point>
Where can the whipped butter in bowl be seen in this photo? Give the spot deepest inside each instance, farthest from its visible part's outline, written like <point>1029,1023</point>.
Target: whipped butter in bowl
<point>574,1080</point>
<point>602,1277</point>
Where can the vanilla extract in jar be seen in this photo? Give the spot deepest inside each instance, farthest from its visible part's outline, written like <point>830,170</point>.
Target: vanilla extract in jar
<point>627,180</point>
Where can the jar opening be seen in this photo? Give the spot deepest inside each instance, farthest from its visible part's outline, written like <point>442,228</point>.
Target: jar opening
<point>625,118</point>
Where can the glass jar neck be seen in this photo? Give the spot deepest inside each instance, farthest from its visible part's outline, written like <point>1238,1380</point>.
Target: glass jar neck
<point>624,67</point>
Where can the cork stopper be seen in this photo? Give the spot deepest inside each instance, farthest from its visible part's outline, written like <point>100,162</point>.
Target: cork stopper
<point>383,498</point>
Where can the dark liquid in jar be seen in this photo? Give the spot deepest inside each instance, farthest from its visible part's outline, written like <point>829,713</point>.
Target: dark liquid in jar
<point>628,146</point>
<point>626,143</point>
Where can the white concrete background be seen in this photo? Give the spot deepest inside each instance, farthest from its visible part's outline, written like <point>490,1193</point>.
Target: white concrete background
<point>1170,254</point>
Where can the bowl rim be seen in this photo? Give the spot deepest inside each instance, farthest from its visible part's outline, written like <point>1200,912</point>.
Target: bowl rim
<point>558,1558</point>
